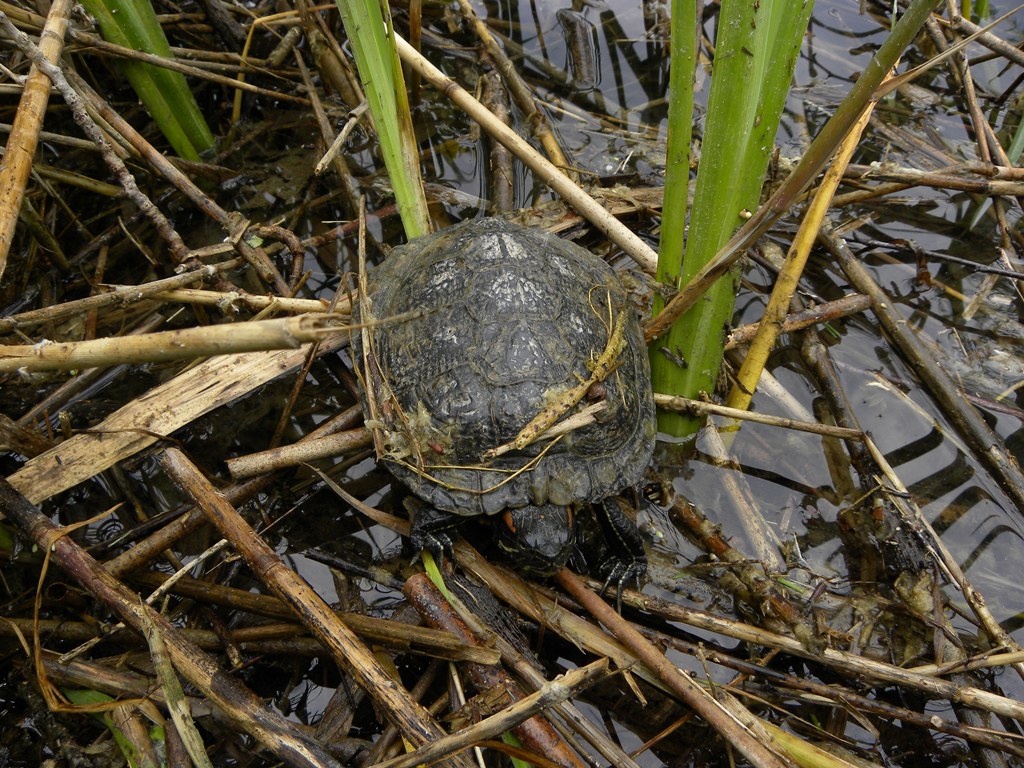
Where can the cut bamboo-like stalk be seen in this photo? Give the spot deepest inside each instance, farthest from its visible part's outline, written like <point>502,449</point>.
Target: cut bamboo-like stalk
<point>250,301</point>
<point>244,467</point>
<point>28,120</point>
<point>257,335</point>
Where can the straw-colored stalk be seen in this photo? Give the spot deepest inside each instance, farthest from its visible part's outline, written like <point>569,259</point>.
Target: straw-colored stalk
<point>789,276</point>
<point>255,464</point>
<point>28,120</point>
<point>257,335</point>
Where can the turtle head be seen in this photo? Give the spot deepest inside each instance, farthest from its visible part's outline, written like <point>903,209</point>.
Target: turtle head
<point>538,539</point>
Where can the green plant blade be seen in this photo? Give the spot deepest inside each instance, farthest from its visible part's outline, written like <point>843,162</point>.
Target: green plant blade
<point>680,132</point>
<point>165,94</point>
<point>368,26</point>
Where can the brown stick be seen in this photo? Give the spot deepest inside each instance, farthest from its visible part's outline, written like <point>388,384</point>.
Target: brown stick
<point>937,180</point>
<point>713,713</point>
<point>535,733</point>
<point>822,313</point>
<point>102,47</point>
<point>989,40</point>
<point>700,408</point>
<point>240,704</point>
<point>283,639</point>
<point>347,649</point>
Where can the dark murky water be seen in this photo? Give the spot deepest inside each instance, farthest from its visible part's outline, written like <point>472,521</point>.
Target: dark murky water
<point>613,125</point>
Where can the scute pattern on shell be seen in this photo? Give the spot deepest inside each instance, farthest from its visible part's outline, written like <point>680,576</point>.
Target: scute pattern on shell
<point>507,316</point>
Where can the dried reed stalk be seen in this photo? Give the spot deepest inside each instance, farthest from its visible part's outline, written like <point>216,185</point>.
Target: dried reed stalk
<point>152,416</point>
<point>345,647</point>
<point>28,120</point>
<point>243,467</point>
<point>167,346</point>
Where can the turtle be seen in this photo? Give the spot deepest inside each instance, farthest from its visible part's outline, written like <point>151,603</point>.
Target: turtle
<point>475,330</point>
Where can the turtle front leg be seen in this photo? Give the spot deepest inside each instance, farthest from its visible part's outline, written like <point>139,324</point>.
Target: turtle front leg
<point>628,560</point>
<point>432,531</point>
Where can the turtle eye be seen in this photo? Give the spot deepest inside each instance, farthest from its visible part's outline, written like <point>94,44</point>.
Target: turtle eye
<point>509,522</point>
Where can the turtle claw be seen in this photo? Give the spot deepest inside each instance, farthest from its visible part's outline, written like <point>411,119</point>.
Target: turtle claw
<point>621,572</point>
<point>439,544</point>
<point>431,531</point>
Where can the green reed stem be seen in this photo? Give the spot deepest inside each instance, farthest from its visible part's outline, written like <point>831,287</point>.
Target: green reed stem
<point>755,51</point>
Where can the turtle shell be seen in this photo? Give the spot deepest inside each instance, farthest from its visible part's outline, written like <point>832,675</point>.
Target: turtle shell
<point>477,328</point>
